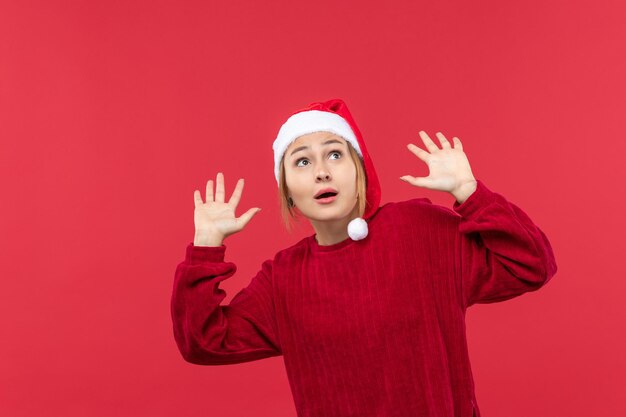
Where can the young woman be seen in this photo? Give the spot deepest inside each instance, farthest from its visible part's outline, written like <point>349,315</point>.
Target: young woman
<point>369,312</point>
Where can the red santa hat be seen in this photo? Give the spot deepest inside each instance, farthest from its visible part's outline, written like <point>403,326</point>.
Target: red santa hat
<point>332,116</point>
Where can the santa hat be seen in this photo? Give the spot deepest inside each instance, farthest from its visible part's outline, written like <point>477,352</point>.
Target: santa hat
<point>332,116</point>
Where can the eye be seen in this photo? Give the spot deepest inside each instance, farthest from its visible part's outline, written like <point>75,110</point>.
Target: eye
<point>330,153</point>
<point>300,159</point>
<point>337,152</point>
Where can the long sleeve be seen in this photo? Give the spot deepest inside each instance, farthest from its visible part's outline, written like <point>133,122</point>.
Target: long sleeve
<point>208,333</point>
<point>503,254</point>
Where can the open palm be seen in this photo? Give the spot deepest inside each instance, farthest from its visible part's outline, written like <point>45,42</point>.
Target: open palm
<point>449,167</point>
<point>216,217</point>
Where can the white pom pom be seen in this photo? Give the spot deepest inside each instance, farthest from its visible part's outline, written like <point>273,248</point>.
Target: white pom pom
<point>357,229</point>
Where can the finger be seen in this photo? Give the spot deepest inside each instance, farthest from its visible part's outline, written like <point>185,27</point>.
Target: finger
<point>219,188</point>
<point>243,220</point>
<point>197,199</point>
<point>209,191</point>
<point>419,152</point>
<point>457,143</point>
<point>443,140</point>
<point>428,142</point>
<point>236,196</point>
<point>416,181</point>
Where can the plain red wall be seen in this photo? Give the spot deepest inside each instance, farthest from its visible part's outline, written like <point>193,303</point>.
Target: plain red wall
<point>113,113</point>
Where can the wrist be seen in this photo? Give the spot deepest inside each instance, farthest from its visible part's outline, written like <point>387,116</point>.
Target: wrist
<point>463,192</point>
<point>203,238</point>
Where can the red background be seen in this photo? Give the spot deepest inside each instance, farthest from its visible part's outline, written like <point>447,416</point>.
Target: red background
<point>113,113</point>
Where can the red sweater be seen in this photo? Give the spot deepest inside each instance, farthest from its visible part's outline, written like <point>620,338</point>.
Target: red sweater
<point>374,327</point>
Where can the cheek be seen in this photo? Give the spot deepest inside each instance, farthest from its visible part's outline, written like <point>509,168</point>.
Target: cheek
<point>349,176</point>
<point>294,184</point>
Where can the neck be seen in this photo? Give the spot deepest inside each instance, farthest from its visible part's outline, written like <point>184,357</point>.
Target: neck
<point>330,232</point>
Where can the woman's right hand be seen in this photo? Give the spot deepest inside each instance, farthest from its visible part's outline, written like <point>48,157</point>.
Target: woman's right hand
<point>215,220</point>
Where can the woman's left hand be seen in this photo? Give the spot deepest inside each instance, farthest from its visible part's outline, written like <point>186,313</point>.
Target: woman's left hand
<point>449,168</point>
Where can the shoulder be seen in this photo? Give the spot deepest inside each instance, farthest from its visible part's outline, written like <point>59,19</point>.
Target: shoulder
<point>420,209</point>
<point>297,250</point>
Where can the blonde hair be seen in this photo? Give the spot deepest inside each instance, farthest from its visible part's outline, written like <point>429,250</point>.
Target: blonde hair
<point>289,214</point>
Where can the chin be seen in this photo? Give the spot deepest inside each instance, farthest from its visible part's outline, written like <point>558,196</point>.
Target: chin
<point>321,217</point>
<point>328,213</point>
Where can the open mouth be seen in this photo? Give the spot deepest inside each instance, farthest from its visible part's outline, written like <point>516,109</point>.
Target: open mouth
<point>326,195</point>
<point>326,198</point>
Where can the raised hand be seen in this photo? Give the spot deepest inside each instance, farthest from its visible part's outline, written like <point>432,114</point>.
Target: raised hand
<point>449,168</point>
<point>215,220</point>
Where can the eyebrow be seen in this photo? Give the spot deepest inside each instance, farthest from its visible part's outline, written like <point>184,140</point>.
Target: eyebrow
<point>300,148</point>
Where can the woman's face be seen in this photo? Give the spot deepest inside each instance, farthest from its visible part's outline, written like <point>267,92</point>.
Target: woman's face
<point>317,161</point>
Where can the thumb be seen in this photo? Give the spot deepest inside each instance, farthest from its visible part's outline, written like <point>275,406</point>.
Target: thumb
<point>247,216</point>
<point>417,181</point>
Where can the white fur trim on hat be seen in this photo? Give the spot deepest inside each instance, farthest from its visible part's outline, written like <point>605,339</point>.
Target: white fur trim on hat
<point>357,229</point>
<point>311,121</point>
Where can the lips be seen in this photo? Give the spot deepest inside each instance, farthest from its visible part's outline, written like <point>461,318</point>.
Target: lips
<point>326,192</point>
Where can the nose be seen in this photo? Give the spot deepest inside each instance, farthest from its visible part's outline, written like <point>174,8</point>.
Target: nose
<point>322,175</point>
